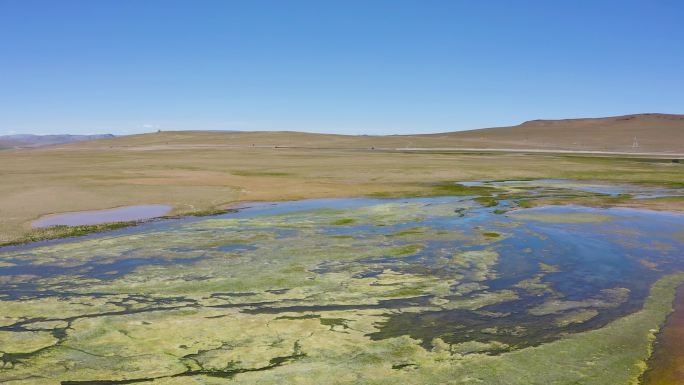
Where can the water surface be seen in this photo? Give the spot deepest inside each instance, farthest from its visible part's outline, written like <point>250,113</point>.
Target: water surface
<point>119,214</point>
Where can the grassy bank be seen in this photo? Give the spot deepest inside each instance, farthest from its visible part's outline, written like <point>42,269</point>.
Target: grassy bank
<point>62,231</point>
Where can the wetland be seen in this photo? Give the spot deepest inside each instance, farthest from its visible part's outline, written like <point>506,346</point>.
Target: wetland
<point>498,284</point>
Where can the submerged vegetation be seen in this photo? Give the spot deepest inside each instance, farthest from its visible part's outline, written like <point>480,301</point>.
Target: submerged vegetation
<point>379,291</point>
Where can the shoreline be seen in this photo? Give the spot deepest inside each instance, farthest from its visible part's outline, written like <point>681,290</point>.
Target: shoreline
<point>57,232</point>
<point>664,366</point>
<point>52,233</point>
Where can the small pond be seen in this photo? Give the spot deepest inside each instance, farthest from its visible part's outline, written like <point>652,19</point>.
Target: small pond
<point>94,217</point>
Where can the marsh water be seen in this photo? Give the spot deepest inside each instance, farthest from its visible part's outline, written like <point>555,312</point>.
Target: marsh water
<point>481,279</point>
<point>119,214</point>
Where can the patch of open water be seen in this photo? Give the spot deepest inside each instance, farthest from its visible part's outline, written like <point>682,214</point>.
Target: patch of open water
<point>119,214</point>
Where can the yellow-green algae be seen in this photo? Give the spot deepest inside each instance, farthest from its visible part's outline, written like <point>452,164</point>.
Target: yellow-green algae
<point>24,342</point>
<point>607,298</point>
<point>304,311</point>
<point>162,320</point>
<point>154,344</point>
<point>614,354</point>
<point>576,317</point>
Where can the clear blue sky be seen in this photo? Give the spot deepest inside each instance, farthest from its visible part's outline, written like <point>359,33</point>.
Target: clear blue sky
<point>347,66</point>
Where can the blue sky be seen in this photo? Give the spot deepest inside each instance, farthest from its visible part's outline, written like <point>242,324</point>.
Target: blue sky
<point>347,66</point>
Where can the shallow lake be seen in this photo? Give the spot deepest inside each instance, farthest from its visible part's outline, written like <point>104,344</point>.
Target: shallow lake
<point>119,214</point>
<point>394,285</point>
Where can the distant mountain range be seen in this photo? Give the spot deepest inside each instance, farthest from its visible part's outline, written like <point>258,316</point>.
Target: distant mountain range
<point>28,140</point>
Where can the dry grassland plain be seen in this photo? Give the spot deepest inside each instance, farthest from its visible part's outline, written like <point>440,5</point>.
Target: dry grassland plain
<point>195,172</point>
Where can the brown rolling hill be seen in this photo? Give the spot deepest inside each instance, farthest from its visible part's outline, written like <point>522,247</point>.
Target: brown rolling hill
<point>654,133</point>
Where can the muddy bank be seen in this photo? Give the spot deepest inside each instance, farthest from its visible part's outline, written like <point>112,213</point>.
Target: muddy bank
<point>666,366</point>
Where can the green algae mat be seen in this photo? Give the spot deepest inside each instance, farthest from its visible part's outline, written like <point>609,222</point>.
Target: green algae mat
<point>439,290</point>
